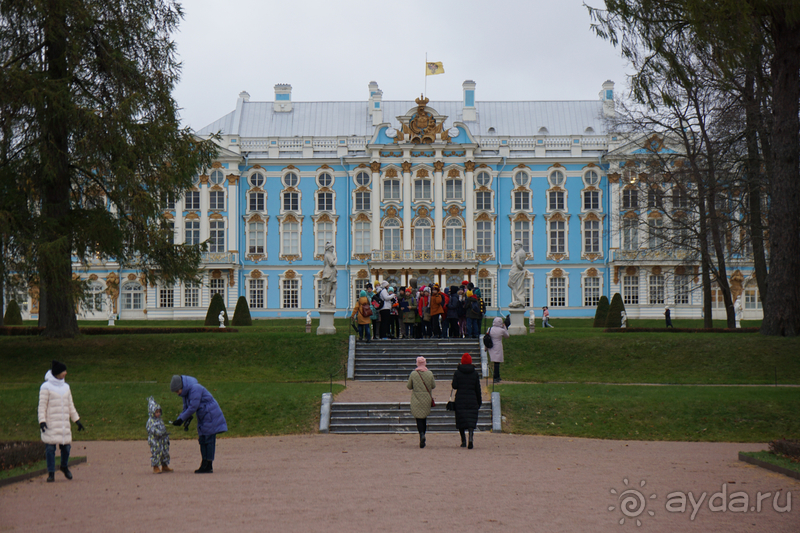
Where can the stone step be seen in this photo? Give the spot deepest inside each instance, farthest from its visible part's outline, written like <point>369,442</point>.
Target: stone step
<point>396,417</point>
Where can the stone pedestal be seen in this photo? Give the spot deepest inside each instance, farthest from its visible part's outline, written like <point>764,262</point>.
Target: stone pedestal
<point>111,320</point>
<point>326,322</point>
<point>517,326</point>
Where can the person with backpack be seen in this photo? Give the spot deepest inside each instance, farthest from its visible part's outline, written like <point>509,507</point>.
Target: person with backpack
<point>437,310</point>
<point>363,312</point>
<point>424,309</point>
<point>386,309</point>
<point>473,315</point>
<point>452,314</point>
<point>546,317</point>
<point>409,308</point>
<point>493,340</point>
<point>374,318</point>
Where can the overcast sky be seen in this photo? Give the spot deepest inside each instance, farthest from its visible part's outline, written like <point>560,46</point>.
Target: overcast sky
<point>331,50</point>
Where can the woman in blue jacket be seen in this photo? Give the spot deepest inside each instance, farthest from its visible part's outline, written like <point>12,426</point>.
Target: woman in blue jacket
<point>210,420</point>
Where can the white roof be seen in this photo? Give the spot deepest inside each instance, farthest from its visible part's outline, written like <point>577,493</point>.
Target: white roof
<point>345,119</point>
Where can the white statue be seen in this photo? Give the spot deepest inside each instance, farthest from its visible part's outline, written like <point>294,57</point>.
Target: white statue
<point>308,318</point>
<point>222,319</point>
<point>738,311</point>
<point>327,276</point>
<point>111,315</point>
<point>624,320</point>
<point>516,276</point>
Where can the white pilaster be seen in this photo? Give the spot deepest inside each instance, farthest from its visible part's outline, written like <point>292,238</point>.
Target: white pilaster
<point>438,206</point>
<point>232,225</point>
<point>180,235</point>
<point>407,210</point>
<point>204,202</point>
<point>375,227</point>
<point>469,188</point>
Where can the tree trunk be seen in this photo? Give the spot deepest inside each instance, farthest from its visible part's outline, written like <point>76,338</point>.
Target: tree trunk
<point>55,252</point>
<point>782,308</point>
<point>705,259</point>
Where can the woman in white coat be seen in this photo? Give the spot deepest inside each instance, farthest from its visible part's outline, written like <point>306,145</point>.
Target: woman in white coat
<point>55,411</point>
<point>497,332</point>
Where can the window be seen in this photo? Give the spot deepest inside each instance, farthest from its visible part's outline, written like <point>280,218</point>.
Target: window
<point>362,179</point>
<point>216,200</point>
<point>256,239</point>
<point>132,297</point>
<point>325,201</point>
<point>361,237</point>
<point>522,233</point>
<point>192,200</point>
<point>656,290</point>
<point>452,190</point>
<point>166,297</point>
<point>483,237</point>
<point>422,235</point>
<point>216,237</point>
<point>291,294</point>
<point>591,236</point>
<point>291,201</point>
<point>453,235</point>
<point>630,199</point>
<point>422,189</point>
<point>391,235</point>
<point>217,177</point>
<point>655,199</point>
<point>217,286</point>
<point>591,178</point>
<point>527,288</point>
<point>591,292</point>
<point>557,237</point>
<point>558,292</point>
<point>485,285</point>
<point>324,235</point>
<point>483,179</point>
<point>391,189</point>
<point>591,200</point>
<point>522,200</point>
<point>192,232</point>
<point>324,180</point>
<point>752,299</point>
<point>359,285</point>
<point>656,230</point>
<point>291,238</point>
<point>557,178</point>
<point>256,299</point>
<point>717,299</point>
<point>483,200</point>
<point>630,290</point>
<point>256,201</point>
<point>191,294</point>
<point>257,179</point>
<point>681,285</point>
<point>96,300</point>
<point>556,200</point>
<point>630,234</point>
<point>290,179</point>
<point>680,200</point>
<point>521,179</point>
<point>171,234</point>
<point>362,201</point>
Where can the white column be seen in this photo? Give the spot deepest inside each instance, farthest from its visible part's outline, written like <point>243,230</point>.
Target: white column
<point>204,211</point>
<point>469,188</point>
<point>375,228</point>
<point>232,225</point>
<point>438,206</point>
<point>407,208</point>
<point>180,235</point>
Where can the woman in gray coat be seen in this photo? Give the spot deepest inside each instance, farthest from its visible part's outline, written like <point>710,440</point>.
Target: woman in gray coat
<point>421,382</point>
<point>497,332</point>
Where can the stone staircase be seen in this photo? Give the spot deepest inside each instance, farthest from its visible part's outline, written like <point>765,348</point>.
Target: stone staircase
<point>394,360</point>
<point>396,418</point>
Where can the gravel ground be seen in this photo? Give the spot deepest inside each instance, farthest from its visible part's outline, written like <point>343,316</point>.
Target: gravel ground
<point>370,483</point>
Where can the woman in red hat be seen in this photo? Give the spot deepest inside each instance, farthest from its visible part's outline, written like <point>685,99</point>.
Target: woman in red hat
<point>468,400</point>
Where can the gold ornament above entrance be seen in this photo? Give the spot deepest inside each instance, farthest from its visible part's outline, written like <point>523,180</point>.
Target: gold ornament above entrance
<point>422,128</point>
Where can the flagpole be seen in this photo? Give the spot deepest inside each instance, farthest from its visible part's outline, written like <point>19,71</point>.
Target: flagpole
<point>426,75</point>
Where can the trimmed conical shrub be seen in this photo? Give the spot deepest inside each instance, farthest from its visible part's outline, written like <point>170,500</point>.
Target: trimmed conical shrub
<point>13,316</point>
<point>216,305</point>
<point>241,316</point>
<point>614,317</point>
<point>602,312</point>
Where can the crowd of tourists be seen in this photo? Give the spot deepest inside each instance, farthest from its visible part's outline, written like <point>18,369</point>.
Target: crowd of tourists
<point>426,312</point>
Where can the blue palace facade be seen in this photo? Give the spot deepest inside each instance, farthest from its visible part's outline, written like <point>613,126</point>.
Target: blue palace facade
<point>432,190</point>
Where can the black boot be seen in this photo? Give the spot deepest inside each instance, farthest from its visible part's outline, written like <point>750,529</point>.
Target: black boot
<point>203,467</point>
<point>463,438</point>
<point>422,440</point>
<point>209,467</point>
<point>470,440</point>
<point>51,477</point>
<point>67,473</point>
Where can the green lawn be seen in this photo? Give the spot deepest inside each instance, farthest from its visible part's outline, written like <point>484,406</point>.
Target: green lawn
<point>38,465</point>
<point>629,412</point>
<point>777,460</point>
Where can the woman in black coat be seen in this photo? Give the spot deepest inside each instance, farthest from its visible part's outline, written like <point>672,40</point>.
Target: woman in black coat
<point>468,401</point>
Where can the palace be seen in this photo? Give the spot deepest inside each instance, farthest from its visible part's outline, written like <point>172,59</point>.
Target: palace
<point>432,190</point>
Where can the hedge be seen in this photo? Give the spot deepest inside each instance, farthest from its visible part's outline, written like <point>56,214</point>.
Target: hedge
<point>681,330</point>
<point>33,330</point>
<point>19,453</point>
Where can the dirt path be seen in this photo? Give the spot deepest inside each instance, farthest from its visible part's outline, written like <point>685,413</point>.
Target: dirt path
<point>385,483</point>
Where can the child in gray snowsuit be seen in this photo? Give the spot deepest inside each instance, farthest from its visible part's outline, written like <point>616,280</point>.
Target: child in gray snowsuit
<point>157,438</point>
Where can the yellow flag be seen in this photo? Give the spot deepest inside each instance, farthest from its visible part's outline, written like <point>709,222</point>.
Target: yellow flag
<point>432,69</point>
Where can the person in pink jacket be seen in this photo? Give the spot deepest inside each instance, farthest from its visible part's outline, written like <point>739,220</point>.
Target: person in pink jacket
<point>498,332</point>
<point>55,411</point>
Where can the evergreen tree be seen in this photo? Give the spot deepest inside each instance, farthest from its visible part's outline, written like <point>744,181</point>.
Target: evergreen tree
<point>214,307</point>
<point>614,317</point>
<point>88,86</point>
<point>241,316</point>
<point>13,315</point>
<point>602,312</point>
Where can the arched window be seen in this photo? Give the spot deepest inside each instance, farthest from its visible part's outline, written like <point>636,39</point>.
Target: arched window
<point>96,300</point>
<point>362,179</point>
<point>132,296</point>
<point>257,179</point>
<point>391,235</point>
<point>290,179</point>
<point>324,180</point>
<point>217,177</point>
<point>483,179</point>
<point>591,178</point>
<point>422,235</point>
<point>521,179</point>
<point>557,178</point>
<point>453,235</point>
